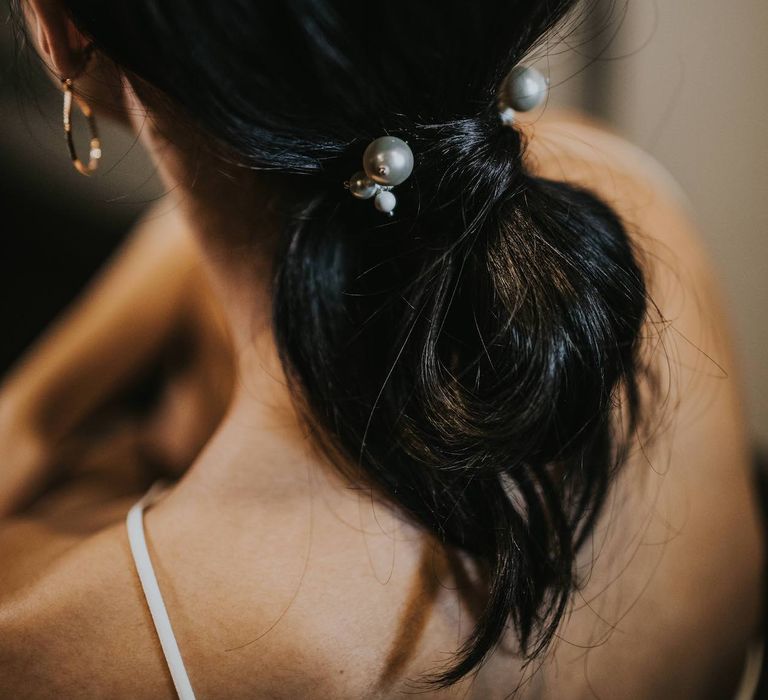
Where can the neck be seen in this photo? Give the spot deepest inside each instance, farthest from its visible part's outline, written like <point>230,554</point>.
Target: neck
<point>262,442</point>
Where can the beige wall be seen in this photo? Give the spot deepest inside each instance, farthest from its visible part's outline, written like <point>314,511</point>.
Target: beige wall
<point>687,81</point>
<point>693,91</point>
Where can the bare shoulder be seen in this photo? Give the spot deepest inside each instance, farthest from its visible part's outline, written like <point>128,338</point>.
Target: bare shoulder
<point>686,301</point>
<point>279,600</point>
<point>572,148</point>
<point>77,628</point>
<point>679,550</point>
<point>80,626</point>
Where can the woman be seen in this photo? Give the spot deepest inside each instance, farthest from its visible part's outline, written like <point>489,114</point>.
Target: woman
<point>489,444</point>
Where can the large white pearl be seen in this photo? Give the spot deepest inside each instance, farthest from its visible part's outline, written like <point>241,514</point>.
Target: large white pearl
<point>385,201</point>
<point>526,88</point>
<point>388,160</point>
<point>361,186</point>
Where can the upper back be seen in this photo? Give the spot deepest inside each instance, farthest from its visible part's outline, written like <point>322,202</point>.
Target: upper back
<point>326,592</point>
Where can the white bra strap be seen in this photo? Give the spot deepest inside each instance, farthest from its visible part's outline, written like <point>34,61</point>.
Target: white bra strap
<point>135,524</point>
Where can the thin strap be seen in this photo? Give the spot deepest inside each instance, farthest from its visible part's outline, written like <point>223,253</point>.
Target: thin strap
<point>135,524</point>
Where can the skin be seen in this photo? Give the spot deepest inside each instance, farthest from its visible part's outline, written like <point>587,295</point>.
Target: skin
<point>281,578</point>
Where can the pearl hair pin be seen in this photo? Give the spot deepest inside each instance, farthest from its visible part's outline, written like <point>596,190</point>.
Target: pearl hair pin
<point>387,161</point>
<point>524,89</point>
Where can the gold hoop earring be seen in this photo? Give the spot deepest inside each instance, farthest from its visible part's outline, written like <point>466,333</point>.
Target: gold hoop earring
<point>95,150</point>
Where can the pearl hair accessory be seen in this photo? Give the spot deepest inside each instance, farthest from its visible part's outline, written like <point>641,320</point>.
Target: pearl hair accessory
<point>524,89</point>
<point>387,161</point>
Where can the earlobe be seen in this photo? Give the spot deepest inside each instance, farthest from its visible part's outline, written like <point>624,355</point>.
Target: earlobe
<point>60,43</point>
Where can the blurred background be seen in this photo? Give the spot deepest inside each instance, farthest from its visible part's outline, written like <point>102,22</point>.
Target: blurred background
<point>683,79</point>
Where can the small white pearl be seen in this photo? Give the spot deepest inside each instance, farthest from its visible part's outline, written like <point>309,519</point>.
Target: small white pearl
<point>385,201</point>
<point>507,116</point>
<point>361,186</point>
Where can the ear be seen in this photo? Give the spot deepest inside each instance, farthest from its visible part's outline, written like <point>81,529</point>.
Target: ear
<point>60,43</point>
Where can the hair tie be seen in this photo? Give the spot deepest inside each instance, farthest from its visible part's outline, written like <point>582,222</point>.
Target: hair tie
<point>388,160</point>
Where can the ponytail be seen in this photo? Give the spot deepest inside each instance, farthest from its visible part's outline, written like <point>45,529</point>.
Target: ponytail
<point>466,357</point>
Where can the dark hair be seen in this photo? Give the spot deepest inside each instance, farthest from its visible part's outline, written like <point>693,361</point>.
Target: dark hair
<point>471,354</point>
